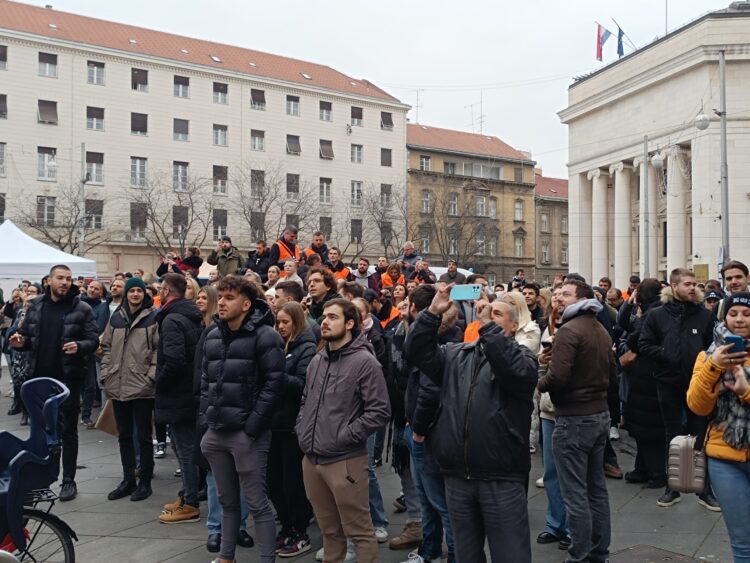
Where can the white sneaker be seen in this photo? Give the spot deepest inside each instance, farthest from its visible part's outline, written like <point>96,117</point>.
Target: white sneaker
<point>540,482</point>
<point>381,534</point>
<point>414,557</point>
<point>532,449</point>
<point>614,433</point>
<point>350,555</point>
<point>319,555</point>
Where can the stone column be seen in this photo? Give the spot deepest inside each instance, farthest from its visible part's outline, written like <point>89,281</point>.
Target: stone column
<point>579,227</point>
<point>653,232</point>
<point>642,231</point>
<point>677,188</point>
<point>623,216</point>
<point>599,245</point>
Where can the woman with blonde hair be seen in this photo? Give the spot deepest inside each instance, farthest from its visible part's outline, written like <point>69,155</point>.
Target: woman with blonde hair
<point>207,301</point>
<point>192,289</point>
<point>528,333</point>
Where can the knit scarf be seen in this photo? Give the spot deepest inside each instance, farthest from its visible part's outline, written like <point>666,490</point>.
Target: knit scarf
<point>732,415</point>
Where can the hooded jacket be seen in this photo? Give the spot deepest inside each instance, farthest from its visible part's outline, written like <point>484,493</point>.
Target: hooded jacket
<point>226,263</point>
<point>259,263</point>
<point>299,354</point>
<point>582,362</point>
<point>486,390</point>
<point>242,374</point>
<point>316,309</point>
<point>672,336</point>
<point>368,281</point>
<point>179,331</point>
<point>345,400</point>
<point>128,367</point>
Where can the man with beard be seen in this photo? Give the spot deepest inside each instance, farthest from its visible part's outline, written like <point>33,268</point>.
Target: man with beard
<point>318,246</point>
<point>225,257</point>
<point>259,260</point>
<point>285,248</point>
<point>735,275</point>
<point>345,400</point>
<point>453,275</point>
<point>116,292</point>
<point>62,334</point>
<point>362,276</point>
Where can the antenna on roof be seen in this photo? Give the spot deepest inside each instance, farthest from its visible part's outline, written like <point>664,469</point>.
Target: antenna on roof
<point>481,116</point>
<point>417,106</point>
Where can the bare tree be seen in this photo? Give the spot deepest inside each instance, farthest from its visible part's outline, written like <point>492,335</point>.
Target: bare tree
<point>387,226</point>
<point>57,219</point>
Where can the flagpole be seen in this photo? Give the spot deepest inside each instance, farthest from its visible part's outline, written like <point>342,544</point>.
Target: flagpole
<point>625,35</point>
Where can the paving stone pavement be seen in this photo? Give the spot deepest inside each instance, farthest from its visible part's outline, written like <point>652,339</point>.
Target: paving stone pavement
<point>124,531</point>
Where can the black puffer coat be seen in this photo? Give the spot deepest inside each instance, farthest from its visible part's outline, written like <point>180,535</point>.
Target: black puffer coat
<point>179,332</point>
<point>299,354</point>
<point>242,374</point>
<point>486,390</point>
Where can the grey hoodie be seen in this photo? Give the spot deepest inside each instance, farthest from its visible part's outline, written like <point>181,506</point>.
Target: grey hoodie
<point>345,400</point>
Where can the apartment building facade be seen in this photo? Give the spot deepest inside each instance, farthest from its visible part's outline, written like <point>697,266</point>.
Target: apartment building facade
<point>470,198</point>
<point>551,234</point>
<point>156,141</point>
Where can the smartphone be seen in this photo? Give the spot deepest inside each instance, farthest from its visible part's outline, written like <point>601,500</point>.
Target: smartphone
<point>466,292</point>
<point>546,344</point>
<point>738,343</point>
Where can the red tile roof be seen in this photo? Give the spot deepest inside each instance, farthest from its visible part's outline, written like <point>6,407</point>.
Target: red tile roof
<point>460,141</point>
<point>101,33</point>
<point>551,187</point>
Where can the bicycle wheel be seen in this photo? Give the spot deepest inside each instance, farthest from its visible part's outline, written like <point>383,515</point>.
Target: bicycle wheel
<point>49,541</point>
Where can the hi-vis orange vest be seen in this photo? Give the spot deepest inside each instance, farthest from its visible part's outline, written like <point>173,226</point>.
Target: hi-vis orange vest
<point>284,253</point>
<point>394,314</point>
<point>342,274</point>
<point>387,281</point>
<point>471,334</point>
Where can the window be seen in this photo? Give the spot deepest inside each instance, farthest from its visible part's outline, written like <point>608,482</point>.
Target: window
<point>326,226</point>
<point>47,112</point>
<point>181,86</point>
<point>356,233</point>
<point>95,73</point>
<point>518,174</point>
<point>139,124</point>
<point>386,120</point>
<point>2,208</point>
<point>3,106</point>
<point>139,79</point>
<point>424,163</point>
<point>481,205</point>
<point>138,216</point>
<point>220,223</point>
<point>325,190</point>
<point>664,239</point>
<point>518,243</point>
<point>471,169</point>
<point>138,171</point>
<point>292,219</point>
<point>257,140</point>
<point>545,252</point>
<point>48,65</point>
<point>257,183</point>
<point>357,153</point>
<point>480,241</point>
<point>180,176</point>
<point>385,157</point>
<point>94,118</point>
<point>292,187</point>
<point>181,129</point>
<point>453,204</point>
<point>257,99</point>
<point>292,105</point>
<point>45,211</point>
<point>491,247</point>
<point>2,159</point>
<point>95,167</point>
<point>3,66</point>
<point>426,203</point>
<point>326,149</point>
<point>386,196</point>
<point>449,168</point>
<point>424,247</point>
<point>220,135</point>
<point>94,212</point>
<point>257,225</point>
<point>492,208</point>
<point>221,93</point>
<point>179,221</point>
<point>490,172</point>
<point>220,179</point>
<point>357,194</point>
<point>564,254</point>
<point>293,145</point>
<point>544,222</point>
<point>46,163</point>
<point>386,233</point>
<point>453,246</point>
<point>564,224</point>
<point>518,210</point>
<point>357,116</point>
<point>326,111</point>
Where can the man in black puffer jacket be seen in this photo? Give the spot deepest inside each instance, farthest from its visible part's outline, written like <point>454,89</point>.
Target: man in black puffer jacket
<point>241,379</point>
<point>62,334</point>
<point>179,331</point>
<point>480,439</point>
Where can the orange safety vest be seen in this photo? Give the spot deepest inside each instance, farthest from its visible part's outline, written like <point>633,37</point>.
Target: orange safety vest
<point>471,334</point>
<point>394,314</point>
<point>342,274</point>
<point>284,253</point>
<point>387,281</point>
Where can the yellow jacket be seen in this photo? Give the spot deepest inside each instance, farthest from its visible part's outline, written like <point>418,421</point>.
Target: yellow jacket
<point>701,399</point>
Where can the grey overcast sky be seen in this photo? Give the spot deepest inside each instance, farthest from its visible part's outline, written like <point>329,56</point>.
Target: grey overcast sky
<point>519,55</point>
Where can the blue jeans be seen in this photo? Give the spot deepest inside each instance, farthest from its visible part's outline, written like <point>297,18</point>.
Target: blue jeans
<point>431,491</point>
<point>377,510</point>
<point>556,520</point>
<point>213,520</point>
<point>730,481</point>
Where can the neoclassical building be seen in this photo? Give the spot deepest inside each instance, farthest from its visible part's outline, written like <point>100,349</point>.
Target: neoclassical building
<point>646,103</point>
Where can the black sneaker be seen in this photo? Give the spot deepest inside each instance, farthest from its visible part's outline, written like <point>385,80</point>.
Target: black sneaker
<point>635,477</point>
<point>299,544</point>
<point>68,491</point>
<point>657,483</point>
<point>668,499</point>
<point>213,543</point>
<point>244,539</point>
<point>142,491</point>
<point>87,422</point>
<point>564,543</point>
<point>708,500</point>
<point>399,503</point>
<point>124,489</point>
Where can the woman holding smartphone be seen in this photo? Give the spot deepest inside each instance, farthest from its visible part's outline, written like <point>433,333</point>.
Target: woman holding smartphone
<point>719,387</point>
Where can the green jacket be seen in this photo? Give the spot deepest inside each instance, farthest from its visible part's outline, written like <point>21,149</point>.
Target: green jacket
<point>227,262</point>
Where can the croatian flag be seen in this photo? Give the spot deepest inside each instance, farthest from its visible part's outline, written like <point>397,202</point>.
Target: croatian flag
<point>602,34</point>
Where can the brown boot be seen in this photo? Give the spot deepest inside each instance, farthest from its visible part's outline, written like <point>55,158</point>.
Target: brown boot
<point>409,538</point>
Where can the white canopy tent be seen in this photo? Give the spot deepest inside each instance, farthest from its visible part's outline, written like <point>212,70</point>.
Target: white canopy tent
<point>24,257</point>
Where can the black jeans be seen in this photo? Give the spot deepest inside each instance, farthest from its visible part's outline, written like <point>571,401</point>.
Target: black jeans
<point>161,433</point>
<point>90,388</point>
<point>138,411</point>
<point>69,411</point>
<point>285,482</point>
<point>183,441</point>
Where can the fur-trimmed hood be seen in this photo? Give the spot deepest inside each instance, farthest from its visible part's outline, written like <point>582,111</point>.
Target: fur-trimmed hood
<point>667,296</point>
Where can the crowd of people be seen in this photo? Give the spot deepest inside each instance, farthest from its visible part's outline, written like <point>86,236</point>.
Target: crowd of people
<point>284,380</point>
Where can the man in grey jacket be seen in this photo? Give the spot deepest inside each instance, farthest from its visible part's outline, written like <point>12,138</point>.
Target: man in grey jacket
<point>345,400</point>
